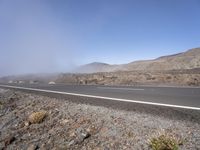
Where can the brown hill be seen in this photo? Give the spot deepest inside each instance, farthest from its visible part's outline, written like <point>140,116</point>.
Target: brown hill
<point>186,60</point>
<point>96,67</point>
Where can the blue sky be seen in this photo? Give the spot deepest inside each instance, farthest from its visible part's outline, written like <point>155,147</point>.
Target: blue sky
<point>52,36</point>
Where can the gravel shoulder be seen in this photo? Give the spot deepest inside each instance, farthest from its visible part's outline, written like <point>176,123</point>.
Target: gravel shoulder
<point>72,125</point>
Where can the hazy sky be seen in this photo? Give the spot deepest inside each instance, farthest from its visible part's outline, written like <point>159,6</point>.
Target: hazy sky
<point>56,35</point>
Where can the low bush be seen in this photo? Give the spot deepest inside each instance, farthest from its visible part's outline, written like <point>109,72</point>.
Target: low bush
<point>165,142</point>
<point>37,117</point>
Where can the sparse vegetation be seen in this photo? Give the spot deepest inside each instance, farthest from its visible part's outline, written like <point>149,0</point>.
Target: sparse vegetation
<point>174,77</point>
<point>37,117</point>
<point>1,105</point>
<point>165,141</point>
<point>69,125</point>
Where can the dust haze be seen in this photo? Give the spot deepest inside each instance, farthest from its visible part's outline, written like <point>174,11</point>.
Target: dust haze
<point>32,40</point>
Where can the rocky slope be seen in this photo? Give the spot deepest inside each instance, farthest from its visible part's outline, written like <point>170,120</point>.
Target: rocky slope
<point>29,121</point>
<point>186,60</point>
<point>173,78</point>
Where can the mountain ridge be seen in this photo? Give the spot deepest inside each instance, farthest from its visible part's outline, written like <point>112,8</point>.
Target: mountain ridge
<point>189,59</point>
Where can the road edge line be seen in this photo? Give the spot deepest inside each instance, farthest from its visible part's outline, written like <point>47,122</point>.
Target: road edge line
<point>102,97</point>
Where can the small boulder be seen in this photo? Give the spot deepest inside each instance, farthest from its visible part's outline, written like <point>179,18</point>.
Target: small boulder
<point>82,135</point>
<point>26,123</point>
<point>64,121</point>
<point>32,147</point>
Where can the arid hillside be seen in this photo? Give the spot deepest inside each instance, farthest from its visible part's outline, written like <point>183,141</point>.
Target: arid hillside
<point>181,69</point>
<point>188,77</point>
<point>186,60</point>
<point>96,67</point>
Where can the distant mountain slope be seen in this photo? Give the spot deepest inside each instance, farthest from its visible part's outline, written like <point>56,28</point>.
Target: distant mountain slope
<point>186,60</point>
<point>96,67</point>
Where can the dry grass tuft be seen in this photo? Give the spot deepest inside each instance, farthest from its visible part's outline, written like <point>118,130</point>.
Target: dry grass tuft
<point>37,117</point>
<point>165,141</point>
<point>1,105</point>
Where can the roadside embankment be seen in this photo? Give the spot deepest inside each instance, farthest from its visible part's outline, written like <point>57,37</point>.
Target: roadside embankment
<point>33,121</point>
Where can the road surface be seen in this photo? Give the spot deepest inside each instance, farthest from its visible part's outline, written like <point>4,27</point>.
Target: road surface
<point>184,97</point>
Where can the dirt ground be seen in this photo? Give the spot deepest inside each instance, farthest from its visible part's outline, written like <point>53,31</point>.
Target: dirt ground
<point>68,125</point>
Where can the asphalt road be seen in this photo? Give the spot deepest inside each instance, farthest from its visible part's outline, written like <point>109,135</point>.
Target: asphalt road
<point>177,96</point>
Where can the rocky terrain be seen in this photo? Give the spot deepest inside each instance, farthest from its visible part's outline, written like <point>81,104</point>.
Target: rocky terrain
<point>170,78</point>
<point>30,121</point>
<point>188,77</point>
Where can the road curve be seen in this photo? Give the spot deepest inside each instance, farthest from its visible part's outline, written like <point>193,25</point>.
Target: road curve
<point>182,97</point>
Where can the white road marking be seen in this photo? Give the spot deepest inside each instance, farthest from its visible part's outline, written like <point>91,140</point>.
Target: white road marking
<point>101,97</point>
<point>119,88</point>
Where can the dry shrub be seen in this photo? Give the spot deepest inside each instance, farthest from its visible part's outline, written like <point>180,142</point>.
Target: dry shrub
<point>37,117</point>
<point>1,105</point>
<point>165,141</point>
